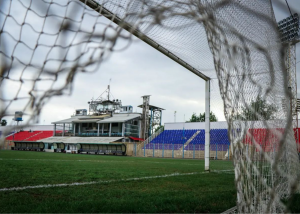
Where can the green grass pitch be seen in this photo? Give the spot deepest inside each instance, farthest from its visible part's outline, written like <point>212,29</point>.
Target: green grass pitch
<point>181,193</point>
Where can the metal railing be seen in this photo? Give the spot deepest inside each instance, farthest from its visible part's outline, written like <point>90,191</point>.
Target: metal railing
<point>191,151</point>
<point>149,139</point>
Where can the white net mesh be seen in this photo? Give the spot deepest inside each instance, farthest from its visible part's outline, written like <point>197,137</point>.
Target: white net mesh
<point>44,44</point>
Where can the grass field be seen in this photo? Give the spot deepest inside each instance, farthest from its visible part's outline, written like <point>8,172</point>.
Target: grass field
<point>164,185</point>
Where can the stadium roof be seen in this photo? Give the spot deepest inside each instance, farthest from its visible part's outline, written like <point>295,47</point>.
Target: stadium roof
<point>152,107</point>
<point>69,120</point>
<point>102,140</point>
<point>82,119</point>
<point>86,121</point>
<point>119,118</point>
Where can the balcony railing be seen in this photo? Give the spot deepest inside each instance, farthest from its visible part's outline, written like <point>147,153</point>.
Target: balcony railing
<point>131,130</point>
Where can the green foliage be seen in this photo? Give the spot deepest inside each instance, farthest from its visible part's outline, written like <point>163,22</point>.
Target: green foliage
<point>257,110</point>
<point>201,117</point>
<point>158,128</point>
<point>3,123</point>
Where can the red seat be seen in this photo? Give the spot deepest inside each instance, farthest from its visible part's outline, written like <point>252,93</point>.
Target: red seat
<point>31,136</point>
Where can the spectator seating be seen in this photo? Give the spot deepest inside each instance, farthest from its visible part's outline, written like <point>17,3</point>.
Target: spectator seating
<point>175,139</point>
<point>30,136</point>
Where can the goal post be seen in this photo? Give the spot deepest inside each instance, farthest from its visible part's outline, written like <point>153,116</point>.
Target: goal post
<point>101,9</point>
<point>45,44</point>
<point>207,125</point>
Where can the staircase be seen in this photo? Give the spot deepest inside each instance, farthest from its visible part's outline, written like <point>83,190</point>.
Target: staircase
<point>149,139</point>
<point>32,136</point>
<point>189,140</point>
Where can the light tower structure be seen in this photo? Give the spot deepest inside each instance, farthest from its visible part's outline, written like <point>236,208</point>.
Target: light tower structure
<point>145,117</point>
<point>18,118</point>
<point>151,117</point>
<point>289,30</point>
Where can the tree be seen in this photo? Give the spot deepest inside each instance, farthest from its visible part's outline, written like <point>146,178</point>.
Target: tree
<point>258,109</point>
<point>201,117</point>
<point>3,123</point>
<point>158,128</point>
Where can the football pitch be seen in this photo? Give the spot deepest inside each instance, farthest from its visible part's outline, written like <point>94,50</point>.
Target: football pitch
<point>71,183</point>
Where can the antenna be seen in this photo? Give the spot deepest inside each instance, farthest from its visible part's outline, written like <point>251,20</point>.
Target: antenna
<point>108,89</point>
<point>174,116</point>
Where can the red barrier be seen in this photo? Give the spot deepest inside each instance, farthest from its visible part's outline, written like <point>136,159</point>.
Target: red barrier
<point>268,139</point>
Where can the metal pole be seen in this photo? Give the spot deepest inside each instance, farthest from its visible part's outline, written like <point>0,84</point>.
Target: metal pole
<point>133,30</point>
<point>183,144</point>
<point>228,152</point>
<point>173,150</point>
<point>109,130</point>
<point>123,129</point>
<point>217,151</point>
<point>64,127</point>
<point>207,124</point>
<point>193,151</point>
<point>15,132</point>
<point>54,131</point>
<point>150,130</point>
<point>153,148</point>
<point>160,118</point>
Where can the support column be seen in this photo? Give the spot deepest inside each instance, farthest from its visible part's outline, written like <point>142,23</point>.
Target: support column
<point>79,129</point>
<point>54,130</point>
<point>64,127</point>
<point>102,128</point>
<point>161,118</point>
<point>207,123</point>
<point>74,126</point>
<point>140,129</point>
<point>150,130</point>
<point>109,129</point>
<point>123,129</point>
<point>98,129</point>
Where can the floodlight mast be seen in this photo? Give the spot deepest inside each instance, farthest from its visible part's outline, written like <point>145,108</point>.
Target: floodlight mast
<point>128,27</point>
<point>289,30</point>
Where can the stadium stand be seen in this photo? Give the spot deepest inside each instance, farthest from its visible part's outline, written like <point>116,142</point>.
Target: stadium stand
<point>31,136</point>
<point>175,139</point>
<point>219,140</point>
<point>170,139</point>
<point>265,137</point>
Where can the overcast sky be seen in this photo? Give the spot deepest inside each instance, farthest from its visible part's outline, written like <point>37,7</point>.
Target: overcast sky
<point>141,70</point>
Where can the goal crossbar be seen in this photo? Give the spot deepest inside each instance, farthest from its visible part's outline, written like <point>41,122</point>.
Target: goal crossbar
<point>128,27</point>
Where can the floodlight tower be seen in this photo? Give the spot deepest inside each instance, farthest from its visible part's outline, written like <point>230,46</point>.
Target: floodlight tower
<point>145,117</point>
<point>18,118</point>
<point>289,29</point>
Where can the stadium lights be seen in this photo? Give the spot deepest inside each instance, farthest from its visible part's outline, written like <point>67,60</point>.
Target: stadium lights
<point>289,28</point>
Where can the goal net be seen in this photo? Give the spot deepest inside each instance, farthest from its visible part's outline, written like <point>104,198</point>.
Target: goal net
<point>236,43</point>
